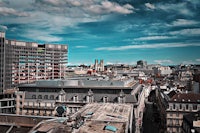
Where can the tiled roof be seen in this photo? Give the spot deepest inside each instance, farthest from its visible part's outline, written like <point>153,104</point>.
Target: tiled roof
<point>186,97</point>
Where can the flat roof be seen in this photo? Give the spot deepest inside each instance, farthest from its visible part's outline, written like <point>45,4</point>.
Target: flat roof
<point>92,118</point>
<point>101,115</point>
<point>81,84</point>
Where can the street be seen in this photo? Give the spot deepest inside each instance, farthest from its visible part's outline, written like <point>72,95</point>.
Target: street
<point>150,120</point>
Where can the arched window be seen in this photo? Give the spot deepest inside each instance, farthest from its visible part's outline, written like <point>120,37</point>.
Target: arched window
<point>40,97</point>
<point>46,97</point>
<point>33,96</point>
<point>105,99</point>
<point>52,97</point>
<point>75,98</point>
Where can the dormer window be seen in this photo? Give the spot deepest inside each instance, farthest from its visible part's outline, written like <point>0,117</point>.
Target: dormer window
<point>105,99</point>
<point>75,98</point>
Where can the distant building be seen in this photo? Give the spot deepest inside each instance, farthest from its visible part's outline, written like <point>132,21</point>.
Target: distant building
<point>196,79</point>
<point>99,66</point>
<point>185,75</point>
<point>26,62</point>
<point>141,64</point>
<point>162,70</point>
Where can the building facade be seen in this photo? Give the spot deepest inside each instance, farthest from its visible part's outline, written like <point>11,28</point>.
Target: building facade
<point>26,62</point>
<point>178,106</point>
<point>99,66</point>
<point>141,64</point>
<point>44,97</point>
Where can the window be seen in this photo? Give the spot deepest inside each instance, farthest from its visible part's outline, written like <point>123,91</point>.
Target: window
<point>33,96</point>
<point>194,107</point>
<point>46,97</point>
<point>105,99</point>
<point>174,106</point>
<point>186,106</point>
<point>177,122</point>
<point>52,97</point>
<point>75,98</point>
<point>170,122</point>
<point>177,114</point>
<point>40,97</point>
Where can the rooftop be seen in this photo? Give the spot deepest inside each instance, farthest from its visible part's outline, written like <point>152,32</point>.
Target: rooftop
<point>101,115</point>
<point>186,97</point>
<point>92,118</point>
<point>83,83</point>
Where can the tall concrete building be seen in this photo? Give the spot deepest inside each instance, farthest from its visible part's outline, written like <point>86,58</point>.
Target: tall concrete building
<point>141,64</point>
<point>26,62</point>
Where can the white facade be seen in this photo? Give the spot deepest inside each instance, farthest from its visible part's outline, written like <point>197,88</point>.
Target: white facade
<point>163,70</point>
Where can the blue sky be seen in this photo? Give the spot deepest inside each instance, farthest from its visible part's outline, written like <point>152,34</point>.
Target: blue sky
<point>118,31</point>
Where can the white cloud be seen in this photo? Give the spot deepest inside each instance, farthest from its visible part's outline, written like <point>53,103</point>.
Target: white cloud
<point>5,11</point>
<point>56,15</point>
<point>179,8</point>
<point>198,60</point>
<point>87,7</point>
<point>150,6</point>
<point>123,27</point>
<point>153,38</point>
<point>106,7</point>
<point>186,62</point>
<point>38,35</point>
<point>81,46</point>
<point>187,32</point>
<point>163,61</point>
<point>147,46</point>
<point>184,22</point>
<point>4,28</point>
<point>119,63</point>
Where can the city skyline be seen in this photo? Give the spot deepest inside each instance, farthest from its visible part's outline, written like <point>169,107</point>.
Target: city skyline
<point>118,31</point>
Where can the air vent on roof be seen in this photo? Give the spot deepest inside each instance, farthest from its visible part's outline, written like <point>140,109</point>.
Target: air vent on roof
<point>174,99</point>
<point>183,100</point>
<point>188,100</point>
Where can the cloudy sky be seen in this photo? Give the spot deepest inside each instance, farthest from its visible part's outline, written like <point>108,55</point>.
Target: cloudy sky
<point>118,31</point>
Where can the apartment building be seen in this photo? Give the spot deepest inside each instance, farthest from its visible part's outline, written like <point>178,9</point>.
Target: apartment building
<point>26,62</point>
<point>180,104</point>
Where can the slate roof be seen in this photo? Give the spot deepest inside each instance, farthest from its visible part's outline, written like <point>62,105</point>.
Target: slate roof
<point>186,97</point>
